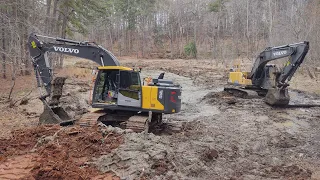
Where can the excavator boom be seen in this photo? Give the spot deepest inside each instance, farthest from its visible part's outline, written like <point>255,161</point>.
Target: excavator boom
<point>38,51</point>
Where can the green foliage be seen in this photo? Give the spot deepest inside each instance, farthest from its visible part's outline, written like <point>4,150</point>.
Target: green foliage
<point>80,13</point>
<point>216,6</point>
<point>131,10</point>
<point>191,49</point>
<point>159,33</point>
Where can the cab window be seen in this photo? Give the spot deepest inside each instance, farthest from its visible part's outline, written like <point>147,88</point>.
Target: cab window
<point>135,78</point>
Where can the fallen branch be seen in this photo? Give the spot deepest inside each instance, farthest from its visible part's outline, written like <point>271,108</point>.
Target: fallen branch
<point>12,86</point>
<point>12,104</point>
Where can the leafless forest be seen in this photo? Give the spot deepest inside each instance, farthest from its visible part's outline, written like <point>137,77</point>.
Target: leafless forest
<point>220,30</point>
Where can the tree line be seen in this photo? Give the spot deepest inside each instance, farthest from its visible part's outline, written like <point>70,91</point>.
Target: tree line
<point>221,30</point>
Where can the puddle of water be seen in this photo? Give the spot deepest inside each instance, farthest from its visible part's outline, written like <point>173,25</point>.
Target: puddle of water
<point>300,98</point>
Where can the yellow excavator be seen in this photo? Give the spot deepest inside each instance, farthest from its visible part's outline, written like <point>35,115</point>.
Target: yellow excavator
<point>118,94</point>
<point>269,80</point>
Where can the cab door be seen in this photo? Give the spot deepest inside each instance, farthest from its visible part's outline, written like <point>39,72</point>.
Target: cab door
<point>129,89</point>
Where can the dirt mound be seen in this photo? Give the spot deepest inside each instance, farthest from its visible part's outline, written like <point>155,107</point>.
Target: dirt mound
<point>221,97</point>
<point>142,156</point>
<point>56,152</point>
<point>23,140</point>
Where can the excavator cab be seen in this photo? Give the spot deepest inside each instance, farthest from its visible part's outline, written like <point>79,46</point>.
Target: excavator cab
<point>117,85</point>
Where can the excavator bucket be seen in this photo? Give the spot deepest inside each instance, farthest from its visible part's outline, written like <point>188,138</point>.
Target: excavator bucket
<point>55,115</point>
<point>52,113</point>
<point>277,97</point>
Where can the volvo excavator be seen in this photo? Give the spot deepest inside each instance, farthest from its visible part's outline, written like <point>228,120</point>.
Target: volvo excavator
<point>269,80</point>
<point>118,94</point>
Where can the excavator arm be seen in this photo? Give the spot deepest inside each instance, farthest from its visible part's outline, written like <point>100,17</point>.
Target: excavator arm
<point>43,69</point>
<point>296,52</point>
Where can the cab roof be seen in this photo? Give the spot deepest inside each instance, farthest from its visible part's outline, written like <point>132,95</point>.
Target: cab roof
<point>114,68</point>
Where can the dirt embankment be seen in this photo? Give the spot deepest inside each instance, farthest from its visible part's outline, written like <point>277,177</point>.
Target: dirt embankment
<point>53,152</point>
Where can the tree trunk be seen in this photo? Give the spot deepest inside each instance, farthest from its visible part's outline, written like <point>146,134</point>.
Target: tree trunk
<point>3,48</point>
<point>195,36</point>
<point>47,28</point>
<point>111,39</point>
<point>54,21</point>
<point>271,23</point>
<point>23,34</point>
<point>171,47</point>
<point>64,31</point>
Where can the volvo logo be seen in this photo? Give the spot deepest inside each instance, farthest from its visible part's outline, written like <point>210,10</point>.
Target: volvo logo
<point>66,50</point>
<point>160,94</point>
<point>279,53</point>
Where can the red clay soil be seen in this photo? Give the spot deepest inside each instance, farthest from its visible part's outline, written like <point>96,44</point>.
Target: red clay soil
<point>62,157</point>
<point>23,140</point>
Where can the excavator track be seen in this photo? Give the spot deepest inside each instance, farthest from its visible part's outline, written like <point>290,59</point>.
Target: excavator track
<point>90,119</point>
<point>138,123</point>
<point>135,123</point>
<point>241,92</point>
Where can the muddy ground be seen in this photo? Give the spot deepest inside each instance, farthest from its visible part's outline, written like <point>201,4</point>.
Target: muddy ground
<point>222,137</point>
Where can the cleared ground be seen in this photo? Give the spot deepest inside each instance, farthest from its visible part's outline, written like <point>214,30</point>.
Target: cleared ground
<point>222,137</point>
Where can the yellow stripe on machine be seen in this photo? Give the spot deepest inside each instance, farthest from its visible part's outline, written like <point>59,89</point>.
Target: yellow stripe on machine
<point>114,68</point>
<point>92,110</point>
